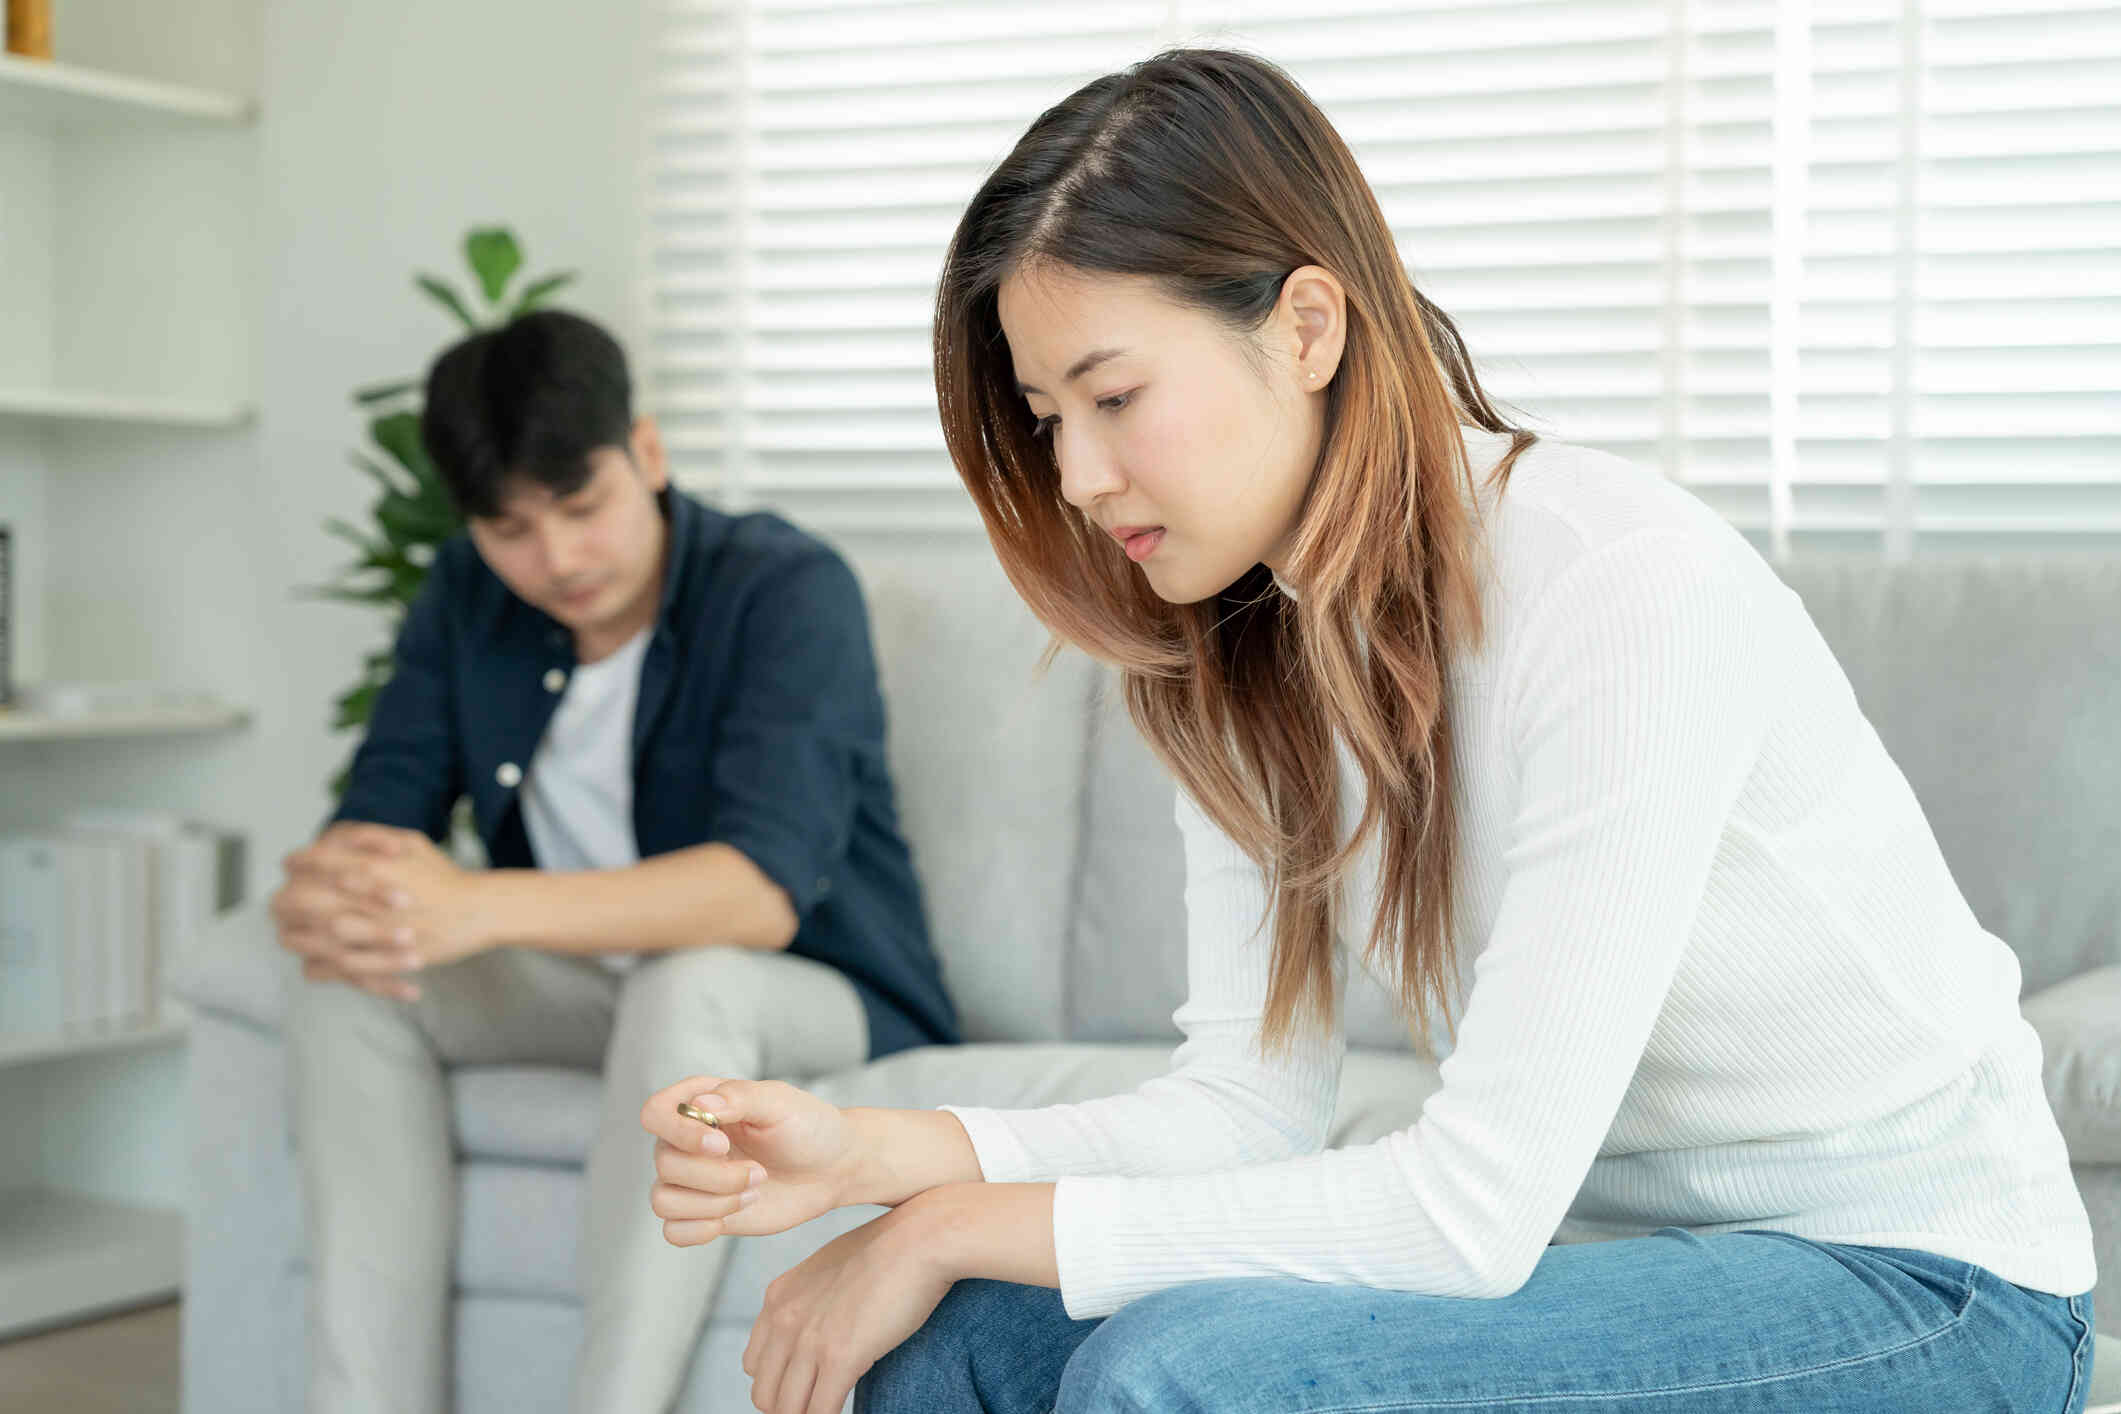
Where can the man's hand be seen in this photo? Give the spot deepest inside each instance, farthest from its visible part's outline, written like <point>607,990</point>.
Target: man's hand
<point>324,925</point>
<point>406,893</point>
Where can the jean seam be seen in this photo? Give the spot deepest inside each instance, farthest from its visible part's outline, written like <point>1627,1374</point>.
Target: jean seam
<point>2077,1353</point>
<point>1923,1339</point>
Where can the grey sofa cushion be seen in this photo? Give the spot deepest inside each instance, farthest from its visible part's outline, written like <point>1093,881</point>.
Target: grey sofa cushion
<point>2079,1022</point>
<point>1994,682</point>
<point>1127,954</point>
<point>987,759</point>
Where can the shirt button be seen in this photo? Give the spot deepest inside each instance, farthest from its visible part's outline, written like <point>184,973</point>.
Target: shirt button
<point>824,885</point>
<point>509,775</point>
<point>554,679</point>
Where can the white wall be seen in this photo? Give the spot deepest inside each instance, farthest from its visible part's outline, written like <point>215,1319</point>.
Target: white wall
<point>389,129</point>
<point>386,130</point>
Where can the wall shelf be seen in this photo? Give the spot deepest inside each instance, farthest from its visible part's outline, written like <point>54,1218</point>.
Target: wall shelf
<point>43,94</point>
<point>120,408</point>
<point>67,1256</point>
<point>16,725</point>
<point>22,1048</point>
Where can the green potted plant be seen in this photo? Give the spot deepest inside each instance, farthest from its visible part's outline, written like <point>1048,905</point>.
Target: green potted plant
<point>412,515</point>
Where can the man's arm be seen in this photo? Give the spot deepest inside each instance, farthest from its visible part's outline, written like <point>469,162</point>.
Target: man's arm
<point>408,771</point>
<point>710,893</point>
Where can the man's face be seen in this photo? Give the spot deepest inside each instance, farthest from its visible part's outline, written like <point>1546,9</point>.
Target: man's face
<point>590,559</point>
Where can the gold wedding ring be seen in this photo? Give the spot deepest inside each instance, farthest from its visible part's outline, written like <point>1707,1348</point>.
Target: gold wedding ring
<point>694,1112</point>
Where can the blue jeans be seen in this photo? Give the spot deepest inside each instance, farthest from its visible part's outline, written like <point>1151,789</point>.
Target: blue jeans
<point>1673,1323</point>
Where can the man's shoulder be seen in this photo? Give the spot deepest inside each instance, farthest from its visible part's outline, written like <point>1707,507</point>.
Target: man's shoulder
<point>752,543</point>
<point>750,555</point>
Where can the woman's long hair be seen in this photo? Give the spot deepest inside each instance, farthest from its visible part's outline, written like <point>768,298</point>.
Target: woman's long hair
<point>1214,175</point>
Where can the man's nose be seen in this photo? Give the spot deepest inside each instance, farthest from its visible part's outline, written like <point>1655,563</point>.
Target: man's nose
<point>562,547</point>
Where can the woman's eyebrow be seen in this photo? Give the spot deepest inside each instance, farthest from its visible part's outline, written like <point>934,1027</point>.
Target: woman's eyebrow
<point>1082,365</point>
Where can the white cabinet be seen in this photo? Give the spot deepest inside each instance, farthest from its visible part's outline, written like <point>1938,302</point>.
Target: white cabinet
<point>129,216</point>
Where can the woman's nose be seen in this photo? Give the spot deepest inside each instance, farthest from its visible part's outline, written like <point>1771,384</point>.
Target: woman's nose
<point>1087,470</point>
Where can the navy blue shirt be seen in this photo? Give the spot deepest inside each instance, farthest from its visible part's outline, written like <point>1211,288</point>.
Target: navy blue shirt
<point>759,725</point>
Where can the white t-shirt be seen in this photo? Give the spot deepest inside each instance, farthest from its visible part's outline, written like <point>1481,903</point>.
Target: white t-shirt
<point>578,793</point>
<point>1717,975</point>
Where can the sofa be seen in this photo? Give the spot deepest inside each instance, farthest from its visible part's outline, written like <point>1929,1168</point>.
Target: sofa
<point>1043,831</point>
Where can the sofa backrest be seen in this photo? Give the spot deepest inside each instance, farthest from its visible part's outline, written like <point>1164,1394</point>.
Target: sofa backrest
<point>1995,684</point>
<point>987,760</point>
<point>1043,829</point>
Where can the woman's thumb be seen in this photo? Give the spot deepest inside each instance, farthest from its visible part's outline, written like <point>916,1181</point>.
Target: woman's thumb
<point>735,1102</point>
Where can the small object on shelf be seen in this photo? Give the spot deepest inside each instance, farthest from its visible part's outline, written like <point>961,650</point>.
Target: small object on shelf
<point>29,28</point>
<point>7,618</point>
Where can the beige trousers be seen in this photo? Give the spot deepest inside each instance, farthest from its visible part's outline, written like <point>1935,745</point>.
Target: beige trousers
<point>371,1116</point>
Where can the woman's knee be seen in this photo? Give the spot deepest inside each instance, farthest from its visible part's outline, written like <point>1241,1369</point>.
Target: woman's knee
<point>1136,1359</point>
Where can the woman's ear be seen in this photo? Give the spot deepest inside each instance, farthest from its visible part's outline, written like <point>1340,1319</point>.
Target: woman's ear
<point>1314,311</point>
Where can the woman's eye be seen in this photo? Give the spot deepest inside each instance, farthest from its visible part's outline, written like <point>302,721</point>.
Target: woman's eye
<point>1045,425</point>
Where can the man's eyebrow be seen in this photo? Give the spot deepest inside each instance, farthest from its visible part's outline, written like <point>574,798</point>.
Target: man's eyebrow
<point>1082,365</point>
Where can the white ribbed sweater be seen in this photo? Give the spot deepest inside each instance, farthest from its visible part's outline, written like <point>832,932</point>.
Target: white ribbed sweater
<point>1718,975</point>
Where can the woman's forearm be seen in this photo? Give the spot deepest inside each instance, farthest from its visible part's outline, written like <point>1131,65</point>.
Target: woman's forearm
<point>901,1153</point>
<point>1000,1231</point>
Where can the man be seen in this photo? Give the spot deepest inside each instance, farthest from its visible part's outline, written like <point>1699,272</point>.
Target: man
<point>667,720</point>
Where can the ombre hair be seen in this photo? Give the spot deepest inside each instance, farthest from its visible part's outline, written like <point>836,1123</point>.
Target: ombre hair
<point>1213,175</point>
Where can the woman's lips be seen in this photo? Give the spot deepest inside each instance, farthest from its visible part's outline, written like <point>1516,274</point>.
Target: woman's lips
<point>1141,545</point>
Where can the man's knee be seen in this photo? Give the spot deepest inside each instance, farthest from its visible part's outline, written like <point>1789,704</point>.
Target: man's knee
<point>689,985</point>
<point>329,1018</point>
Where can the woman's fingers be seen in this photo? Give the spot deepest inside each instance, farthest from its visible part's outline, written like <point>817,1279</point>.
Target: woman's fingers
<point>660,1117</point>
<point>798,1378</point>
<point>675,1203</point>
<point>693,1232</point>
<point>705,1172</point>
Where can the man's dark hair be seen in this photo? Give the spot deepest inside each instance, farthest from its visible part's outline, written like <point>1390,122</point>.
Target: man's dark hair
<point>531,399</point>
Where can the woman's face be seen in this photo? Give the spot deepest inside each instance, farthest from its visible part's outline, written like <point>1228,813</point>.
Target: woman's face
<point>1192,449</point>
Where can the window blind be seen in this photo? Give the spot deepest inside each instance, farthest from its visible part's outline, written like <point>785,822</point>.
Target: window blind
<point>1851,271</point>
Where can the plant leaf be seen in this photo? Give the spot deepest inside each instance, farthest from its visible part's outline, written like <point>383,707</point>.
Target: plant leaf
<point>535,294</point>
<point>354,535</point>
<point>384,392</point>
<point>381,594</point>
<point>398,433</point>
<point>449,299</point>
<point>377,470</point>
<point>355,705</point>
<point>494,257</point>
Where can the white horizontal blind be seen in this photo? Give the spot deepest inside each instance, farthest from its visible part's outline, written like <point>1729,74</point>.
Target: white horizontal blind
<point>1851,270</point>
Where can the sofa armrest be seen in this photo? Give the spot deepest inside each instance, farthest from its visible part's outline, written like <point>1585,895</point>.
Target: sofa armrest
<point>2079,1023</point>
<point>236,968</point>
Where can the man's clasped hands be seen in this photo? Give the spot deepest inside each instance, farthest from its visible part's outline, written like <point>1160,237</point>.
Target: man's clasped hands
<point>371,905</point>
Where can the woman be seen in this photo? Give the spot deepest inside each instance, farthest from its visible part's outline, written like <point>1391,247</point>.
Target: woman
<point>1737,1108</point>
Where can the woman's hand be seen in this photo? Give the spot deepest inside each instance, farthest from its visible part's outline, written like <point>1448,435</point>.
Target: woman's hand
<point>801,1147</point>
<point>828,1319</point>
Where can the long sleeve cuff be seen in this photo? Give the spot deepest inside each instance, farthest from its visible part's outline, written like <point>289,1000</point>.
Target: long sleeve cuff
<point>1003,1157</point>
